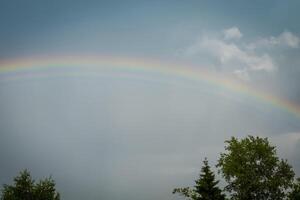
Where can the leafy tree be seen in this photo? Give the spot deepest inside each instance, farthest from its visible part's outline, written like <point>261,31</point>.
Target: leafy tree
<point>295,193</point>
<point>205,188</point>
<point>25,188</point>
<point>253,171</point>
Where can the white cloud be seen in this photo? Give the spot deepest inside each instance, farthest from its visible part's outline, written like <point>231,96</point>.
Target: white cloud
<point>289,39</point>
<point>286,38</point>
<point>242,60</point>
<point>242,74</point>
<point>232,33</point>
<point>239,58</point>
<point>231,54</point>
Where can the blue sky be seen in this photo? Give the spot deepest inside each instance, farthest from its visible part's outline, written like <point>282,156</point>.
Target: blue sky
<point>47,27</point>
<point>144,137</point>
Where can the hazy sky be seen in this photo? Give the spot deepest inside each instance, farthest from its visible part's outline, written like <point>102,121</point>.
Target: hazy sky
<point>105,136</point>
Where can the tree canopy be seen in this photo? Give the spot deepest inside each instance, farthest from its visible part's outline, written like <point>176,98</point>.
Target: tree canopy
<point>253,171</point>
<point>295,193</point>
<point>25,188</point>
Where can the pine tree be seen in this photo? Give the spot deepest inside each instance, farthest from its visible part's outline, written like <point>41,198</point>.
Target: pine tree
<point>206,186</point>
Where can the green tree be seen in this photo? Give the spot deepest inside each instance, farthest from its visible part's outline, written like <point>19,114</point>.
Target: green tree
<point>25,188</point>
<point>295,193</point>
<point>205,188</point>
<point>253,171</point>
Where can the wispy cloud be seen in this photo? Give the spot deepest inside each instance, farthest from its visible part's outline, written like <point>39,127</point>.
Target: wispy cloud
<point>242,74</point>
<point>233,58</point>
<point>239,58</point>
<point>231,54</point>
<point>232,33</point>
<point>286,38</point>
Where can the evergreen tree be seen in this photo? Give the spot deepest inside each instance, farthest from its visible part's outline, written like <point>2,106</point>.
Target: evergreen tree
<point>206,186</point>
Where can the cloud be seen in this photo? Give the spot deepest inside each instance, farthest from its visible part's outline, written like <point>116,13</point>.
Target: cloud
<point>233,58</point>
<point>242,59</point>
<point>289,39</point>
<point>242,74</point>
<point>286,38</point>
<point>232,33</point>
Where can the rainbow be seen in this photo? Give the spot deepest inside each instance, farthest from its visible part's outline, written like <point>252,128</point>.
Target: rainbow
<point>131,65</point>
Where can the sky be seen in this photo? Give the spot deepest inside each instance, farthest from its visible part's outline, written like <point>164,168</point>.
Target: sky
<point>107,134</point>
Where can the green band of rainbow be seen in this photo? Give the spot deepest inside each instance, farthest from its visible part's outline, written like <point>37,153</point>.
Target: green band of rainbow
<point>147,66</point>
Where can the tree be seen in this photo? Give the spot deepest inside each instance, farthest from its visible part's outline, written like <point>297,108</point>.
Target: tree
<point>205,188</point>
<point>295,193</point>
<point>253,171</point>
<point>25,188</point>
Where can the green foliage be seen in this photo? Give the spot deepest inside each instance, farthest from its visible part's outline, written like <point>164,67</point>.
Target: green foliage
<point>253,171</point>
<point>25,188</point>
<point>205,188</point>
<point>295,193</point>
